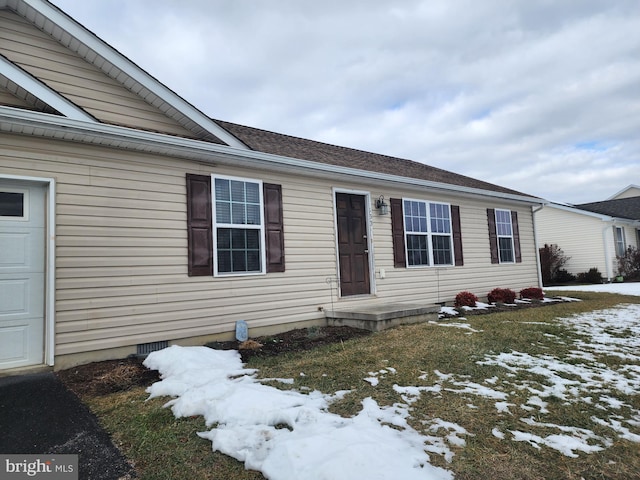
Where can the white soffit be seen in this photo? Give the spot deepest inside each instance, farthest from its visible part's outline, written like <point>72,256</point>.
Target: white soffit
<point>77,38</point>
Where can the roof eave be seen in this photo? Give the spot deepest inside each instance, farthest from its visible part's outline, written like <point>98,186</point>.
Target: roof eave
<point>25,122</point>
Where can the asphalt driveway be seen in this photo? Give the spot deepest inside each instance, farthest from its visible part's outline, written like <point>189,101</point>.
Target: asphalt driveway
<point>39,415</point>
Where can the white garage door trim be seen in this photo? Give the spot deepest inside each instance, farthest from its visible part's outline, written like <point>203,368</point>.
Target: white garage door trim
<point>50,262</point>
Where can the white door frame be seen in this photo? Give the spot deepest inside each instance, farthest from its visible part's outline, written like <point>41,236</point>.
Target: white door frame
<point>50,261</point>
<point>372,268</point>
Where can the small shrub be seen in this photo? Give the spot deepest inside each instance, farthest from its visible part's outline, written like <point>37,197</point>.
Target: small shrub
<point>562,276</point>
<point>629,264</point>
<point>466,299</point>
<point>533,293</point>
<point>552,259</point>
<point>592,276</point>
<point>501,295</point>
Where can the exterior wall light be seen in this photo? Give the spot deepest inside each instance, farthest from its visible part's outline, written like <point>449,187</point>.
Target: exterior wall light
<point>382,206</point>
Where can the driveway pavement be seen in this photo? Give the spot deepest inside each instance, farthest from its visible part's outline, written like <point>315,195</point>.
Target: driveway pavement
<point>38,415</point>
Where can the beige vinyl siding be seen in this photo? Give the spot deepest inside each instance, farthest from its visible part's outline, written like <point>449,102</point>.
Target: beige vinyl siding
<point>121,257</point>
<point>77,80</point>
<point>478,275</point>
<point>121,273</point>
<point>585,238</point>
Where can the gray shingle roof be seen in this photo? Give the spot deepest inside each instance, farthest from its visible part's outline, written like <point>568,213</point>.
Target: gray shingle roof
<point>303,149</point>
<point>620,207</point>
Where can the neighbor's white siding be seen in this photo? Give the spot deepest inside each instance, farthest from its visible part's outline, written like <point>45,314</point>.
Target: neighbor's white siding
<point>76,79</point>
<point>586,239</point>
<point>632,191</point>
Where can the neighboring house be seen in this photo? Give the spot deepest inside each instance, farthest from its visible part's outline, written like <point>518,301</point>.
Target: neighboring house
<point>593,234</point>
<point>129,219</point>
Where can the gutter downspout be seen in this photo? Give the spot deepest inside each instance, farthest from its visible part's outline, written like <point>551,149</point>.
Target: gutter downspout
<point>607,257</point>
<point>534,210</point>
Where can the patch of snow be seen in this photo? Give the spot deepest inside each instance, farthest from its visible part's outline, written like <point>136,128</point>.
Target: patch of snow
<point>497,433</point>
<point>249,417</point>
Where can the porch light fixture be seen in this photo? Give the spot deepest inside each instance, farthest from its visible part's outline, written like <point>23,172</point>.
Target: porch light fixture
<point>382,206</point>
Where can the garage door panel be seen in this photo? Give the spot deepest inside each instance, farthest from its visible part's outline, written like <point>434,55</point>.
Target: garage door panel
<point>22,266</point>
<point>15,349</point>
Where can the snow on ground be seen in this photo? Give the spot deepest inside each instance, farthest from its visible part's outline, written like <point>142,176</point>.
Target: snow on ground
<point>631,288</point>
<point>288,434</point>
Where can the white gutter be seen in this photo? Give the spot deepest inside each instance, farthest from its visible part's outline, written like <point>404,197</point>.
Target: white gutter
<point>39,124</point>
<point>535,210</point>
<point>605,242</point>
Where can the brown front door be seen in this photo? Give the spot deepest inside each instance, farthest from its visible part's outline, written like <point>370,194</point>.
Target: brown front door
<point>353,246</point>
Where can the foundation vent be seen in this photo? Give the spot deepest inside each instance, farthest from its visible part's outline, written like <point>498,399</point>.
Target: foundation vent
<point>147,348</point>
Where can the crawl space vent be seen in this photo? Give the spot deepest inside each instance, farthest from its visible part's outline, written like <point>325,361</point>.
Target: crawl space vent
<point>147,348</point>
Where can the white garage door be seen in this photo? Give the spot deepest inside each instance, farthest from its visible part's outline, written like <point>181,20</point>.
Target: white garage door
<point>22,240</point>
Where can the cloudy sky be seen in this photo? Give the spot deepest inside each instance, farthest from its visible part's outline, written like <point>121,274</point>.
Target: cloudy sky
<point>540,96</point>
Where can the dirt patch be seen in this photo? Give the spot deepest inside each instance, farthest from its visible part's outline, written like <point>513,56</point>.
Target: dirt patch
<point>103,378</point>
<point>298,340</point>
<point>110,376</point>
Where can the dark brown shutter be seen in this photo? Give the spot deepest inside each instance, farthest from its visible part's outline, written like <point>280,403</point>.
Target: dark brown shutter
<point>516,236</point>
<point>274,227</point>
<point>493,235</point>
<point>397,231</point>
<point>199,226</point>
<point>457,235</point>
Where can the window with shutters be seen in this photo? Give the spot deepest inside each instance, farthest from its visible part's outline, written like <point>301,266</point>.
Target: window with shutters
<point>504,232</point>
<point>238,226</point>
<point>428,233</point>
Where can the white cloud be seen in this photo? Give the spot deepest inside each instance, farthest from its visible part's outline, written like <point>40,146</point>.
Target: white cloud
<point>498,90</point>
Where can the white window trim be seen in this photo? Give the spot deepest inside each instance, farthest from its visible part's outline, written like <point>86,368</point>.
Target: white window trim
<point>216,225</point>
<point>498,236</point>
<point>622,242</point>
<point>429,234</point>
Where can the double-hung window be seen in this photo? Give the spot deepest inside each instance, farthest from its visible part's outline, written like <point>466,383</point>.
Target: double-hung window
<point>620,242</point>
<point>504,231</point>
<point>428,233</point>
<point>238,226</point>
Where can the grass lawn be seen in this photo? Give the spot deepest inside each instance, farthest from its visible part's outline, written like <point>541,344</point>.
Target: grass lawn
<point>163,447</point>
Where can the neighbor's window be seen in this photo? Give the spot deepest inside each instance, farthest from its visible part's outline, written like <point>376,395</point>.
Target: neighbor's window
<point>238,225</point>
<point>428,233</point>
<point>619,237</point>
<point>504,231</point>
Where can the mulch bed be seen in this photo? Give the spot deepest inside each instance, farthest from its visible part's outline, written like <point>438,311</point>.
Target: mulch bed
<point>103,378</point>
<point>111,376</point>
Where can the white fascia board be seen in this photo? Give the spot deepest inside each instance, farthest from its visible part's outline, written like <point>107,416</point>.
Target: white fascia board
<point>125,65</point>
<point>41,124</point>
<point>42,92</point>
<point>601,216</point>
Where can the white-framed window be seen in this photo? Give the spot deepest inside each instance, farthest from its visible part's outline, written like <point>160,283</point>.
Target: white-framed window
<point>238,226</point>
<point>428,233</point>
<point>14,204</point>
<point>504,232</point>
<point>618,233</point>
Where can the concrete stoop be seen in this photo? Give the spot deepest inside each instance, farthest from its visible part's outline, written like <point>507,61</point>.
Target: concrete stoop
<point>381,316</point>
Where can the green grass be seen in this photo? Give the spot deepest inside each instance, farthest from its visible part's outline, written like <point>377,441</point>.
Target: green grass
<point>163,447</point>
